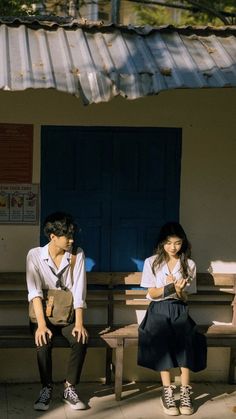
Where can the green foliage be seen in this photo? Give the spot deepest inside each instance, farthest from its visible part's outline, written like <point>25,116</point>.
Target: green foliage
<point>17,7</point>
<point>29,7</point>
<point>189,12</point>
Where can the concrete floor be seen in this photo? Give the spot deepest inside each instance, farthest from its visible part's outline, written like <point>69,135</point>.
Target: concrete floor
<point>211,401</point>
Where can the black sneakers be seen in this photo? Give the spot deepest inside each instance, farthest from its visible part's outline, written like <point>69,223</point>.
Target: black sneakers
<point>45,395</point>
<point>168,401</point>
<point>186,405</point>
<point>71,397</point>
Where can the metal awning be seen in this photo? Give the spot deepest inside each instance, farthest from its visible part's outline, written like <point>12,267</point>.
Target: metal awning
<point>98,62</point>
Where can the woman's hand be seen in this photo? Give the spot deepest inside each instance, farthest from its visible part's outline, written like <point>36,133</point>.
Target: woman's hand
<point>179,287</point>
<point>42,335</point>
<point>170,278</point>
<point>80,332</point>
<point>180,284</point>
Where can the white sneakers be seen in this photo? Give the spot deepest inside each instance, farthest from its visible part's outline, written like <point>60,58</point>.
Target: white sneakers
<point>168,401</point>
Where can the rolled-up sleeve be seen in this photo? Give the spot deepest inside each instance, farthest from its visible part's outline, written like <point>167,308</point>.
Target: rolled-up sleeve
<point>33,278</point>
<point>79,281</point>
<point>191,288</point>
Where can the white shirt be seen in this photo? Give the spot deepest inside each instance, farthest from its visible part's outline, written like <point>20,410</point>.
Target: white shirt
<point>39,274</point>
<point>149,280</point>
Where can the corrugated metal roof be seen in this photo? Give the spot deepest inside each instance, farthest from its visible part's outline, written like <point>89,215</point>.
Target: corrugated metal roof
<point>98,62</point>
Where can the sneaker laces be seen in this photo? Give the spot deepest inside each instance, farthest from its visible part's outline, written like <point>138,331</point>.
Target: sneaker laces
<point>169,396</point>
<point>44,394</point>
<point>185,396</point>
<point>71,393</point>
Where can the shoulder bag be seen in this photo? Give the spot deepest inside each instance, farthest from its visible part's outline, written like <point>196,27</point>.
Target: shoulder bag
<point>57,304</point>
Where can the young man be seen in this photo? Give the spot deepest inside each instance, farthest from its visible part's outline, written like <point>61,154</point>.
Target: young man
<point>50,267</point>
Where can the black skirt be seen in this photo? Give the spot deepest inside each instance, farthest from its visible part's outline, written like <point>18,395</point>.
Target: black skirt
<point>168,338</point>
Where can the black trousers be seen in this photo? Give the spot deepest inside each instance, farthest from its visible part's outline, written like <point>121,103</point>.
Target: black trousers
<point>76,358</point>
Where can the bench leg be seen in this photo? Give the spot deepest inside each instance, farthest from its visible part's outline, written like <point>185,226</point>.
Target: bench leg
<point>232,364</point>
<point>119,369</point>
<point>108,365</point>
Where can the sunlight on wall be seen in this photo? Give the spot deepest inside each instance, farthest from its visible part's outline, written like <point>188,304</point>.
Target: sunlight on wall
<point>139,264</point>
<point>219,266</point>
<point>89,264</point>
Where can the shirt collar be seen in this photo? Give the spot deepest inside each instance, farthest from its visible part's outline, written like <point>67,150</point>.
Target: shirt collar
<point>45,256</point>
<point>165,268</point>
<point>44,252</point>
<point>177,267</point>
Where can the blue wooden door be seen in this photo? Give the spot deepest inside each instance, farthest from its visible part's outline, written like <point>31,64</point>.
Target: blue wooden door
<point>121,185</point>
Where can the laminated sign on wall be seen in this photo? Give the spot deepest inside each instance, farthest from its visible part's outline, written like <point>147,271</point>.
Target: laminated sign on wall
<point>19,203</point>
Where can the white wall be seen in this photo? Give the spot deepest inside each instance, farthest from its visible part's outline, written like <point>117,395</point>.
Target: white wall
<point>208,181</point>
<point>208,184</point>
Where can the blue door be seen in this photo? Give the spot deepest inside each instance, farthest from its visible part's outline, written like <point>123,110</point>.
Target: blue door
<point>121,185</point>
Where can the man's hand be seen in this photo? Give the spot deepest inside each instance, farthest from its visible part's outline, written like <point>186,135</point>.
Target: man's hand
<point>80,332</point>
<point>42,335</point>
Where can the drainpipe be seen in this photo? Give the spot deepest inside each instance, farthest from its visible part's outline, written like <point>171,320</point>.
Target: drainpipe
<point>115,11</point>
<point>73,8</point>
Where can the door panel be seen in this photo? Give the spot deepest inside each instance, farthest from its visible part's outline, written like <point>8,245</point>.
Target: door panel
<point>145,177</point>
<point>74,178</point>
<point>121,185</point>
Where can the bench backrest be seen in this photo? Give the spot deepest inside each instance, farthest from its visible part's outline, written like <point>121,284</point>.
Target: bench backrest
<point>122,292</point>
<point>110,292</point>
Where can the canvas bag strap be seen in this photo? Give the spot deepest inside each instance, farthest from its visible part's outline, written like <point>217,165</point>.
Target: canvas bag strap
<point>49,306</point>
<point>72,264</point>
<point>50,301</point>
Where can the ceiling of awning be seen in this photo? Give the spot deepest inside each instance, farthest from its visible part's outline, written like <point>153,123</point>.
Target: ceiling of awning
<point>97,62</point>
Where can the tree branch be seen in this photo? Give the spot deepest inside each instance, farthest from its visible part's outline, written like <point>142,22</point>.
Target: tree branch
<point>196,7</point>
<point>209,10</point>
<point>171,5</point>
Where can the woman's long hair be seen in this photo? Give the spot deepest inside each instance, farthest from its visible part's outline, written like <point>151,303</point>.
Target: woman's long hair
<point>172,229</point>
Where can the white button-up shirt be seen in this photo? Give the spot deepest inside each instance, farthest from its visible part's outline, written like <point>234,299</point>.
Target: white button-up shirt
<point>39,274</point>
<point>149,280</point>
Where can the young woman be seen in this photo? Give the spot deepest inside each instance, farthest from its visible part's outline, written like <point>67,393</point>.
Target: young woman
<point>168,337</point>
<point>50,268</point>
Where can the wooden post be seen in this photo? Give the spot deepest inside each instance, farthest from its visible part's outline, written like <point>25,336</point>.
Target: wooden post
<point>119,368</point>
<point>234,304</point>
<point>232,363</point>
<point>110,319</point>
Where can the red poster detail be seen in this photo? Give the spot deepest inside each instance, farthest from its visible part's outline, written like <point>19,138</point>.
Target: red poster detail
<point>16,153</point>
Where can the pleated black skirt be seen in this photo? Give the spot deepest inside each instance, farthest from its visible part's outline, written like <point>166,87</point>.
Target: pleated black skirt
<point>168,338</point>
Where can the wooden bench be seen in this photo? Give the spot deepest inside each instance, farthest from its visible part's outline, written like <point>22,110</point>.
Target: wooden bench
<point>212,291</point>
<point>119,292</point>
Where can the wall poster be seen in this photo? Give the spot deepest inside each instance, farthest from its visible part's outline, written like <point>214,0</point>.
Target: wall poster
<point>16,153</point>
<point>19,203</point>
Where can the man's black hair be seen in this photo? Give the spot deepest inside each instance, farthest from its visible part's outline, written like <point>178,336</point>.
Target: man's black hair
<point>60,224</point>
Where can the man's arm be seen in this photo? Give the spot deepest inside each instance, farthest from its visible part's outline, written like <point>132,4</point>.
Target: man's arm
<point>79,330</point>
<point>42,333</point>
